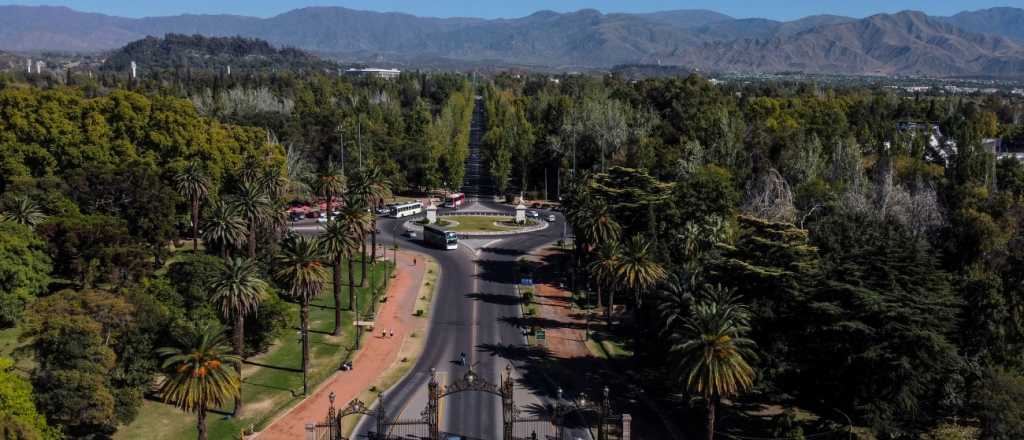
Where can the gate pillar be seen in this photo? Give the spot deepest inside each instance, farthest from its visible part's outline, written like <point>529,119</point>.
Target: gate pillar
<point>433,394</point>
<point>382,417</point>
<point>602,425</point>
<point>508,404</point>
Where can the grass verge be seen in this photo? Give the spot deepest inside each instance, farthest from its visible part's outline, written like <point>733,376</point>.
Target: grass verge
<point>273,380</point>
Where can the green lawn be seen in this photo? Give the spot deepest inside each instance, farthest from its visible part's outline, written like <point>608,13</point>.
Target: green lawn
<point>272,381</point>
<point>480,224</point>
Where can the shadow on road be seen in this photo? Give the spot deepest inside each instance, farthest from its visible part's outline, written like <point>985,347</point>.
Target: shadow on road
<point>492,298</point>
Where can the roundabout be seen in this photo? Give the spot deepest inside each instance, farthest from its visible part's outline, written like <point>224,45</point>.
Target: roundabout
<point>481,225</point>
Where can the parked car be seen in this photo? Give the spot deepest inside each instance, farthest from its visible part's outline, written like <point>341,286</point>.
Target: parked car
<point>532,214</point>
<point>296,216</point>
<point>410,234</point>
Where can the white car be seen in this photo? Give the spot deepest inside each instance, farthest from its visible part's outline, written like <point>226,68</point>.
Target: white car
<point>551,217</point>
<point>532,214</point>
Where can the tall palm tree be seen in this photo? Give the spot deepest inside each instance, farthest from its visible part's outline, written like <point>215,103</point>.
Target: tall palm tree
<point>374,188</point>
<point>598,225</point>
<point>356,221</point>
<point>299,266</point>
<point>604,267</point>
<point>337,241</point>
<point>238,291</point>
<point>193,184</point>
<point>712,350</point>
<point>24,212</point>
<point>199,375</point>
<point>254,205</point>
<point>638,270</point>
<point>329,183</point>
<point>225,227</point>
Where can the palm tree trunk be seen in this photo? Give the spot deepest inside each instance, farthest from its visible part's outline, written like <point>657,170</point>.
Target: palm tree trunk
<point>201,421</point>
<point>337,297</point>
<point>611,305</point>
<point>373,240</point>
<point>252,240</point>
<point>711,418</point>
<point>239,348</point>
<point>195,225</point>
<point>599,303</point>
<point>362,273</point>
<point>305,347</point>
<point>351,285</point>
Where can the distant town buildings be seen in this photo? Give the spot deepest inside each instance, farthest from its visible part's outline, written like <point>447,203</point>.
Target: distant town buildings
<point>374,73</point>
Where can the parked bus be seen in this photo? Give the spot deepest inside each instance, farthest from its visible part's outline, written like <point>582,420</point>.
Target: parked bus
<point>406,209</point>
<point>440,238</point>
<point>454,200</point>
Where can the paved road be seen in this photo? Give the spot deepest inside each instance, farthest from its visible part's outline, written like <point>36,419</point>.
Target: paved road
<point>475,298</point>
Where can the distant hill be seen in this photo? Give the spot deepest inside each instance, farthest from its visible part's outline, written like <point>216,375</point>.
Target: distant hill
<point>887,44</point>
<point>199,52</point>
<point>986,42</point>
<point>687,18</point>
<point>1006,22</point>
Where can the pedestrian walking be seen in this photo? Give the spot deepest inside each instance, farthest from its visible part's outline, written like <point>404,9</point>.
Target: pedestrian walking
<point>383,333</point>
<point>413,261</point>
<point>391,333</point>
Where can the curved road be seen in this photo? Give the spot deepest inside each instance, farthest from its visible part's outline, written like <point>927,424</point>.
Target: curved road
<point>473,304</point>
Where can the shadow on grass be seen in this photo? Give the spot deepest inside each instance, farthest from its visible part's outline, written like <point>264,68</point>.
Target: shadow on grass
<point>274,367</point>
<point>270,387</point>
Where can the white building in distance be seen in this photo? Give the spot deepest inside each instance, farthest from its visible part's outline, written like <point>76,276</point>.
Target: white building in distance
<point>374,73</point>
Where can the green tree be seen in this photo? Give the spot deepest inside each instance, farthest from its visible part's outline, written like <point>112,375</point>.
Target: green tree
<point>24,270</point>
<point>24,212</point>
<point>338,242</point>
<point>193,185</point>
<point>330,183</point>
<point>255,206</point>
<point>224,227</point>
<point>604,268</point>
<point>199,374</point>
<point>299,266</point>
<point>80,245</point>
<point>873,337</point>
<point>713,352</point>
<point>357,221</point>
<point>19,418</point>
<point>70,382</point>
<point>238,291</point>
<point>637,271</point>
<point>999,403</point>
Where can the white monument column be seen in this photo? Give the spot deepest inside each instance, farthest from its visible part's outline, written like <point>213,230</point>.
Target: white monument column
<point>520,213</point>
<point>431,213</point>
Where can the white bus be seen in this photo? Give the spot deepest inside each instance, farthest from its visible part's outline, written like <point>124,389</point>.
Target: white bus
<point>406,209</point>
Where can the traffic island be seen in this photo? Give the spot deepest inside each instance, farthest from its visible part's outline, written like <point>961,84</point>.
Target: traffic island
<point>482,225</point>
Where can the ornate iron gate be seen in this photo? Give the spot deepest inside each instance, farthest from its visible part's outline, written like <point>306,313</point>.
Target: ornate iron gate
<point>564,417</point>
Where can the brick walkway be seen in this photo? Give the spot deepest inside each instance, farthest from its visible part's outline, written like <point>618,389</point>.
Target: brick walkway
<point>375,357</point>
<point>566,340</point>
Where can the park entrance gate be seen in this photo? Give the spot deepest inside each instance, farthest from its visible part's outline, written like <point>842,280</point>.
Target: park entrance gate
<point>556,422</point>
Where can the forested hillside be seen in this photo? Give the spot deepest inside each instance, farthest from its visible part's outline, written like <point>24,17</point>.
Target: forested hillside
<point>217,53</point>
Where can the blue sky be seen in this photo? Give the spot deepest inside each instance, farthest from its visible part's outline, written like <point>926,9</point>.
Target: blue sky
<point>776,9</point>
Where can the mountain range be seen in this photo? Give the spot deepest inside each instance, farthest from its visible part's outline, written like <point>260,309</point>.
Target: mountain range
<point>977,43</point>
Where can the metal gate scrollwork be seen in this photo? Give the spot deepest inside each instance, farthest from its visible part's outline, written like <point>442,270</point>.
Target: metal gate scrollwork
<point>588,413</point>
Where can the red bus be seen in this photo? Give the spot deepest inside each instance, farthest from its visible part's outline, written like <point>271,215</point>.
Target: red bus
<point>454,200</point>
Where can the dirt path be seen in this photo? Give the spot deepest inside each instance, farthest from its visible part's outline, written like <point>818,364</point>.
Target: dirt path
<point>377,354</point>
